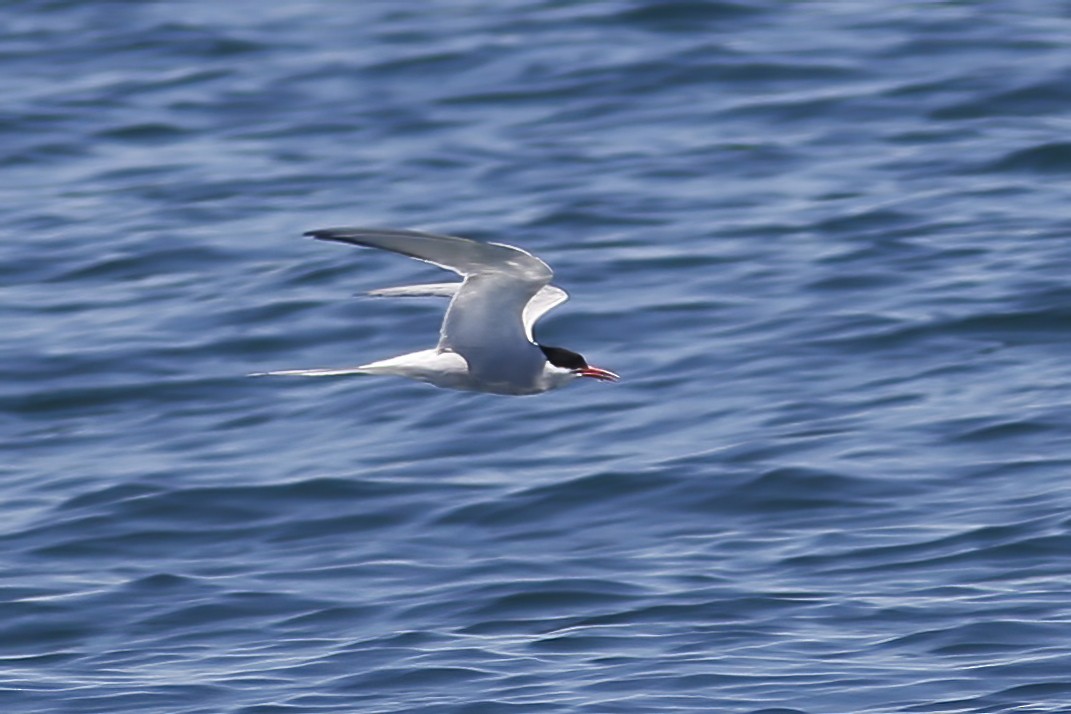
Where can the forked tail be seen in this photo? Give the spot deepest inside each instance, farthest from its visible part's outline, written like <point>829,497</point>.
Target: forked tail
<point>311,372</point>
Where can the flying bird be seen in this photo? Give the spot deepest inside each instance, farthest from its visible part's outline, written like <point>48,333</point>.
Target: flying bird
<point>486,342</point>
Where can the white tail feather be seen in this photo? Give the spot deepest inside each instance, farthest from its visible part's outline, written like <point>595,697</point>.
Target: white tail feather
<point>311,372</point>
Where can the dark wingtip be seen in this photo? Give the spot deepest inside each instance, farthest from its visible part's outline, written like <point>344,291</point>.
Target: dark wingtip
<point>338,235</point>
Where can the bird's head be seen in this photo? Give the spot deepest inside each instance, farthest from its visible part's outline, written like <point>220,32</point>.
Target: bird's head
<point>567,365</point>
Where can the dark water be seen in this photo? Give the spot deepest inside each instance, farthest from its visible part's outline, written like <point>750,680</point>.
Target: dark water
<point>826,243</point>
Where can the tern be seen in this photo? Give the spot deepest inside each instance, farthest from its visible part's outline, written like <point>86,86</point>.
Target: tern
<point>486,342</point>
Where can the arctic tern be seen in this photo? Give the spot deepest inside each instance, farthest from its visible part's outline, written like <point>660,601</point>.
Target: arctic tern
<point>486,342</point>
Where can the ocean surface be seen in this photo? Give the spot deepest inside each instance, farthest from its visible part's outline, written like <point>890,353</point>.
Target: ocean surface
<point>826,244</point>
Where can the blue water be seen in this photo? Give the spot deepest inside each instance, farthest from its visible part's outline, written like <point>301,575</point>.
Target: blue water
<point>826,244</point>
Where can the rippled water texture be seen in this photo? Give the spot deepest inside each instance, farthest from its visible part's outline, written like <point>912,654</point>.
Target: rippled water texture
<point>825,243</point>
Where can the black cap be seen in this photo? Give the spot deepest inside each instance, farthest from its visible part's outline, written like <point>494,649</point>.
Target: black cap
<point>561,357</point>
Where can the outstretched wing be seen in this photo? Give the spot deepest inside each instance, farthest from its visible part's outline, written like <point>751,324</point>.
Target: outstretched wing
<point>543,302</point>
<point>485,316</point>
<point>426,290</point>
<point>461,255</point>
<point>549,297</point>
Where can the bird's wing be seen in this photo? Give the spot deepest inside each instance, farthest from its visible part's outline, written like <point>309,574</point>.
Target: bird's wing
<point>484,320</point>
<point>549,297</point>
<point>484,323</point>
<point>461,255</point>
<point>426,290</point>
<point>541,303</point>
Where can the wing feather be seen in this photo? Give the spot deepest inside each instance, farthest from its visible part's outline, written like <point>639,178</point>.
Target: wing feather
<point>490,316</point>
<point>461,255</point>
<point>548,298</point>
<point>541,303</point>
<point>426,290</point>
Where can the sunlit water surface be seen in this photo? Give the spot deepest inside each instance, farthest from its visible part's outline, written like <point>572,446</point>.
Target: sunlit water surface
<point>826,245</point>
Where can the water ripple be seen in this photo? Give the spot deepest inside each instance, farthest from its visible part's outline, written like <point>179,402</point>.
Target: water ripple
<point>824,245</point>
